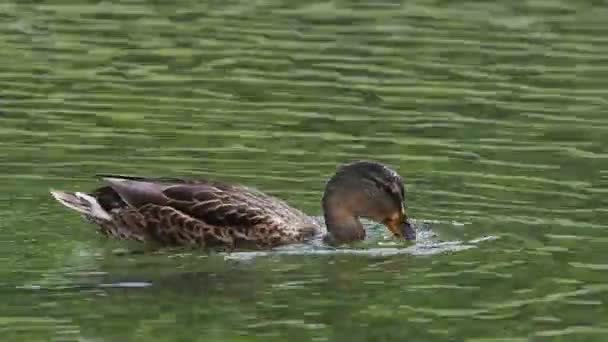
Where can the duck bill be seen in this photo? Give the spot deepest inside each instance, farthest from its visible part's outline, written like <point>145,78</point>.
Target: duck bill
<point>408,230</point>
<point>401,227</point>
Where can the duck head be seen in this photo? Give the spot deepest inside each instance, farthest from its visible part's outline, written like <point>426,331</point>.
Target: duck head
<point>365,189</point>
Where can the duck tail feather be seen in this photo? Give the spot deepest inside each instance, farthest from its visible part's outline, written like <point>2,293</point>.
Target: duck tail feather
<point>82,203</point>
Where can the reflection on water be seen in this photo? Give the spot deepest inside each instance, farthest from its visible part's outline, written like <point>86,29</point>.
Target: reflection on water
<point>494,112</point>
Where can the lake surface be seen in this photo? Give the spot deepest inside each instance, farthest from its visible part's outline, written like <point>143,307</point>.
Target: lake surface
<point>494,112</point>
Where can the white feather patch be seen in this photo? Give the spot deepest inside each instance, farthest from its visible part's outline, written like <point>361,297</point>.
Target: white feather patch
<point>95,209</point>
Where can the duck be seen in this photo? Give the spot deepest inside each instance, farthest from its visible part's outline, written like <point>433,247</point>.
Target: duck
<point>212,214</point>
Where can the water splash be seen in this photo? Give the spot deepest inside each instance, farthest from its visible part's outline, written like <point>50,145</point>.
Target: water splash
<point>427,244</point>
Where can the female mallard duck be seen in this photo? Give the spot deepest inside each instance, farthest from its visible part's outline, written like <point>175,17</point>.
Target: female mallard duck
<point>205,213</point>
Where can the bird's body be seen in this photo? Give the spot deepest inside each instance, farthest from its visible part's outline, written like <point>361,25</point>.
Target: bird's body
<point>201,213</point>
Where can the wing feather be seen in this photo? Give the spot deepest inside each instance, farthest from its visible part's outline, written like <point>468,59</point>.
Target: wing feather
<point>207,213</point>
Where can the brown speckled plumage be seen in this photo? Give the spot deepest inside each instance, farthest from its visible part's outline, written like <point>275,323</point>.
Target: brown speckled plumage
<point>203,213</point>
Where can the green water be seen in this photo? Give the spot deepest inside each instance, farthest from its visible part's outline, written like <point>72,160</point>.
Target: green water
<point>494,112</point>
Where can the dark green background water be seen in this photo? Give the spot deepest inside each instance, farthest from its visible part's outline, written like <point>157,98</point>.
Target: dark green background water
<point>494,112</point>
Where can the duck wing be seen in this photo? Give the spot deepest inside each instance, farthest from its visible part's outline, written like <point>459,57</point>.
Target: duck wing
<point>178,211</point>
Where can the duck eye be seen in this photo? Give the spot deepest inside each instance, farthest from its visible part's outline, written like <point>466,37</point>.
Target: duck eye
<point>395,193</point>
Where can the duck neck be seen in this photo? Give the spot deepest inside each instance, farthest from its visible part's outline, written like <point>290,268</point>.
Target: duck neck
<point>342,225</point>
